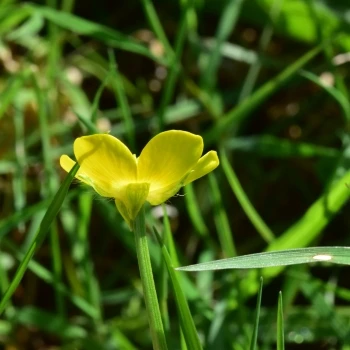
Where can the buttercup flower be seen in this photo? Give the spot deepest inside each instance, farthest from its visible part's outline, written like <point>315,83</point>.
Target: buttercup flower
<point>170,160</point>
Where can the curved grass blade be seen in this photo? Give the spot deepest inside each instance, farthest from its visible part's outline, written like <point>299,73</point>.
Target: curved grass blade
<point>336,255</point>
<point>50,215</point>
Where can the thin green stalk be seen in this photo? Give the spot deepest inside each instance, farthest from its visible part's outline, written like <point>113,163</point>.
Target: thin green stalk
<point>149,289</point>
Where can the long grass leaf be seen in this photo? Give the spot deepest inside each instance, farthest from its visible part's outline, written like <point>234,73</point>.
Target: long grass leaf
<point>336,255</point>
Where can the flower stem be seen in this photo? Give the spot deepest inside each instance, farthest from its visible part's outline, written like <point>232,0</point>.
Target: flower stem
<point>149,290</point>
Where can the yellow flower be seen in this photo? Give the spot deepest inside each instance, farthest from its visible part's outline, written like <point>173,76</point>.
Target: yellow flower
<point>170,160</point>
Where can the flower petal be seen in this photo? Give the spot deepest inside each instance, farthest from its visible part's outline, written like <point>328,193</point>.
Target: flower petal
<point>67,164</point>
<point>105,162</point>
<point>131,198</point>
<point>166,160</point>
<point>160,195</point>
<point>204,166</point>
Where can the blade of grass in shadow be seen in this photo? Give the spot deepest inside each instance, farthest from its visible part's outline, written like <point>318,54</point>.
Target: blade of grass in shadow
<point>81,254</point>
<point>227,22</point>
<point>253,343</point>
<point>236,114</point>
<point>221,220</point>
<point>334,92</point>
<point>155,24</point>
<point>195,214</point>
<point>188,286</point>
<point>265,38</point>
<point>6,225</point>
<point>280,325</point>
<point>11,17</point>
<point>105,34</point>
<point>336,255</point>
<point>50,184</point>
<point>19,183</point>
<point>271,146</point>
<point>46,275</point>
<point>329,52</point>
<point>122,100</point>
<point>187,324</point>
<point>96,101</point>
<point>49,217</point>
<point>174,66</point>
<point>32,316</point>
<point>315,292</point>
<point>10,90</point>
<point>243,199</point>
<point>311,224</point>
<point>92,129</point>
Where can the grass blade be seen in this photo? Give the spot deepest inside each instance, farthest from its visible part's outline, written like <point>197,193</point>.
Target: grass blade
<point>336,255</point>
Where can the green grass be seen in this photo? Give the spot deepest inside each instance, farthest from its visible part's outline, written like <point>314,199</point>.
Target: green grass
<point>266,85</point>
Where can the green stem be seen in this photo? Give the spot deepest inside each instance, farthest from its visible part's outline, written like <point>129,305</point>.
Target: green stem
<point>149,289</point>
